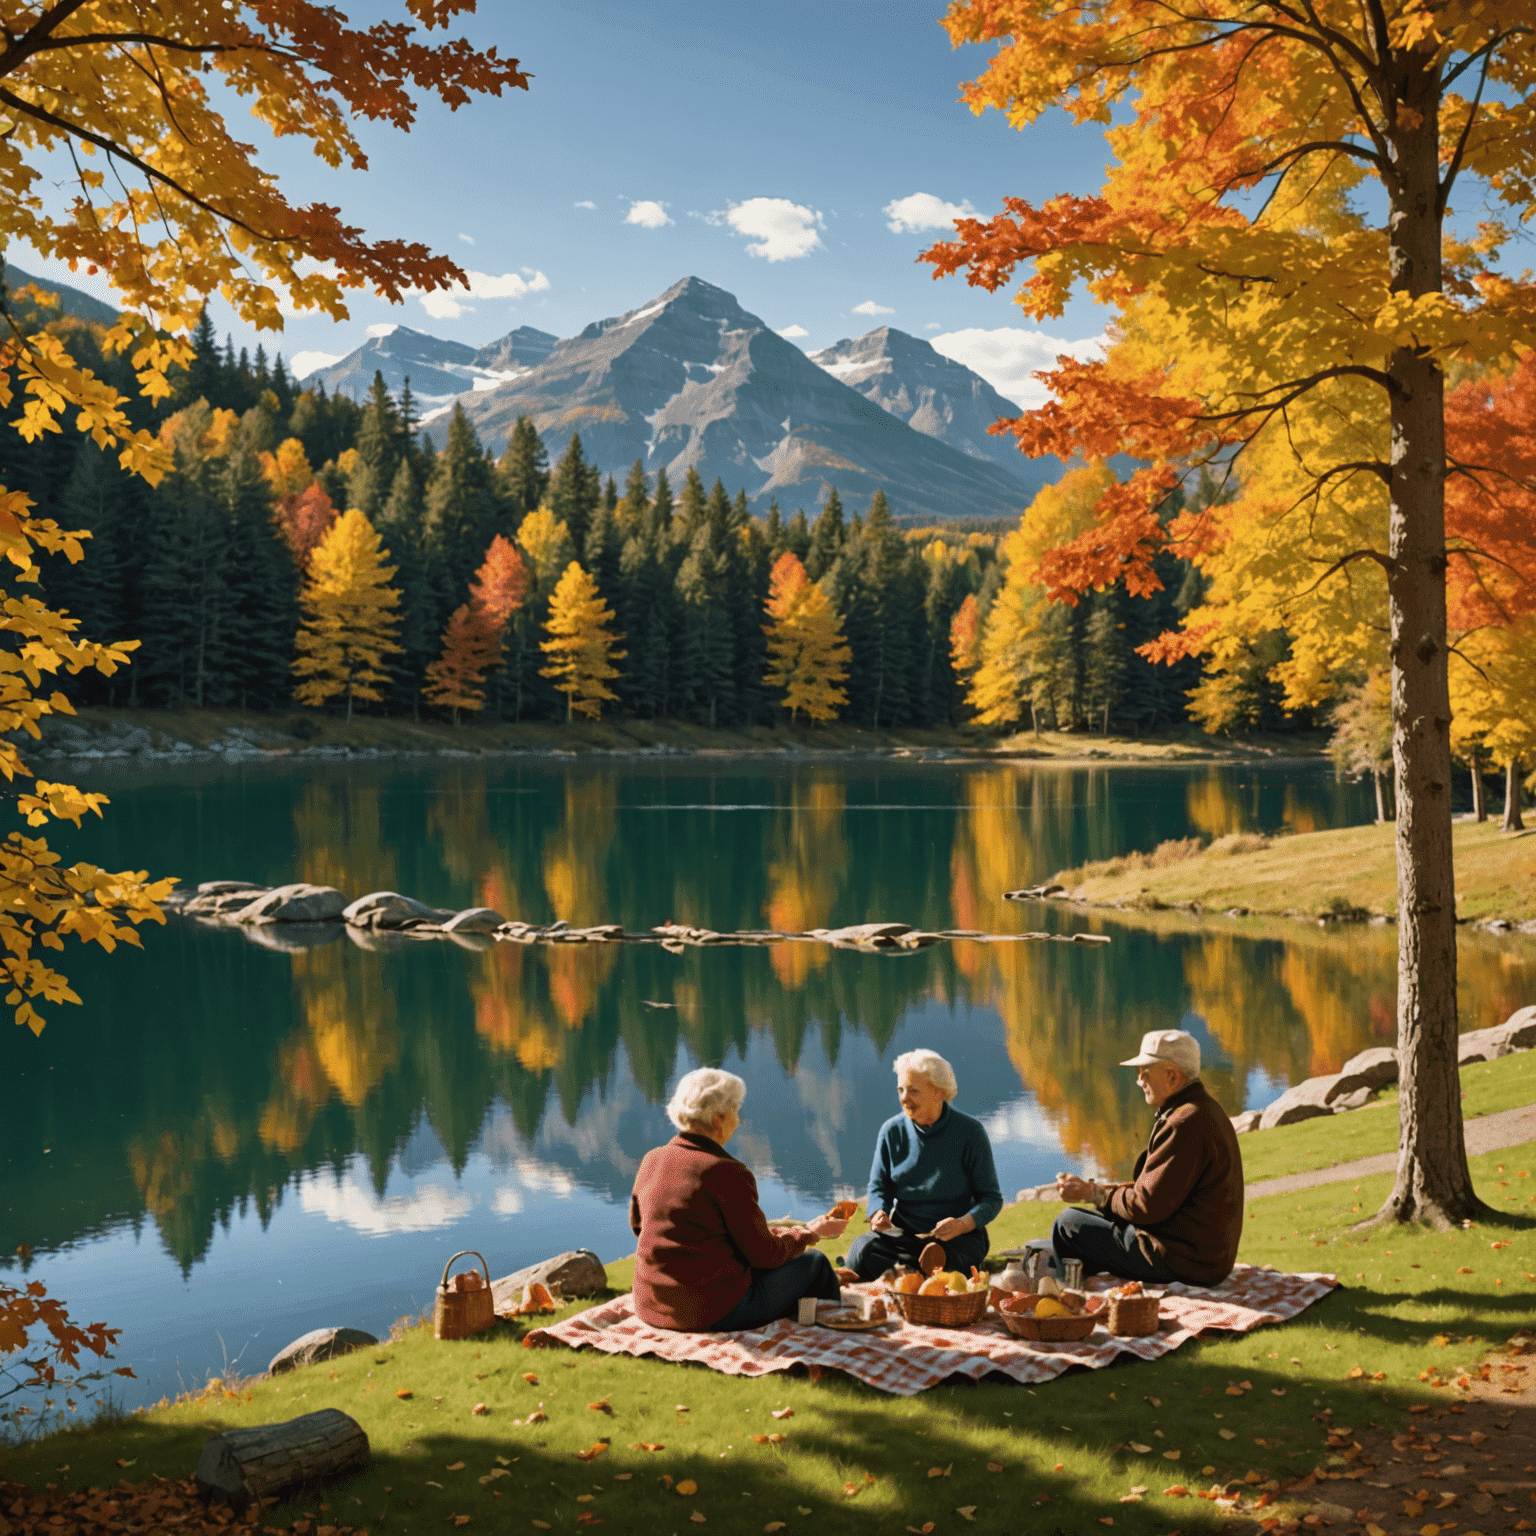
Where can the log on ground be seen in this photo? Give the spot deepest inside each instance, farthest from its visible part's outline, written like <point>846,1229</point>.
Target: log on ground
<point>268,1460</point>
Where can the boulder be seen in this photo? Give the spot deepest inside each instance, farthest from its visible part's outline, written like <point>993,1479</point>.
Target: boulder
<point>319,1344</point>
<point>1519,1029</point>
<point>578,1273</point>
<point>228,887</point>
<point>298,903</point>
<point>1038,1192</point>
<point>1358,1099</point>
<point>227,898</point>
<point>1374,1069</point>
<point>1482,1045</point>
<point>474,920</point>
<point>1305,1101</point>
<point>388,909</point>
<point>1247,1121</point>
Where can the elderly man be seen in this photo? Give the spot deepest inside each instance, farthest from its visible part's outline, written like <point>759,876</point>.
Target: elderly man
<point>1181,1215</point>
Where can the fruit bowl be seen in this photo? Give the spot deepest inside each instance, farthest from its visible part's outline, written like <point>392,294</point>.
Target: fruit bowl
<point>955,1309</point>
<point>1019,1319</point>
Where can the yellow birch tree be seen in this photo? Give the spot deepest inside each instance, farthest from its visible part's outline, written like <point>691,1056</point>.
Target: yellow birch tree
<point>349,608</point>
<point>807,656</point>
<point>580,646</point>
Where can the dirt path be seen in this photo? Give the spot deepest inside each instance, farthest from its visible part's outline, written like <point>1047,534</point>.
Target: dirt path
<point>1488,1133</point>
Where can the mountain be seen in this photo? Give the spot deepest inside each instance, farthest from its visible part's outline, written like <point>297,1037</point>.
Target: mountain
<point>437,369</point>
<point>933,393</point>
<point>692,378</point>
<point>70,300</point>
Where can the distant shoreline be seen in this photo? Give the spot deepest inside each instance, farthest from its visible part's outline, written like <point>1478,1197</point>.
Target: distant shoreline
<point>140,737</point>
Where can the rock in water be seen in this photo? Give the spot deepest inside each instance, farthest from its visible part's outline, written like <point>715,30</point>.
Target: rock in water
<point>320,1344</point>
<point>264,1462</point>
<point>389,909</point>
<point>474,920</point>
<point>578,1273</point>
<point>298,903</point>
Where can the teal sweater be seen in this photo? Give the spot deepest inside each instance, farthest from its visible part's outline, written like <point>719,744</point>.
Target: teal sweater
<point>928,1173</point>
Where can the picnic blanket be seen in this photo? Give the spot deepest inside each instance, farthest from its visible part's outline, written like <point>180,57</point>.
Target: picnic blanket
<point>905,1359</point>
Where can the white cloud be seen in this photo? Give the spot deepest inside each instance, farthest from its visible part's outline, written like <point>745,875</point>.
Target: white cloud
<point>352,1203</point>
<point>781,229</point>
<point>586,203</point>
<point>922,210</point>
<point>444,305</point>
<point>933,325</point>
<point>385,328</point>
<point>1008,357</point>
<point>794,332</point>
<point>302,364</point>
<point>647,214</point>
<point>869,307</point>
<point>467,239</point>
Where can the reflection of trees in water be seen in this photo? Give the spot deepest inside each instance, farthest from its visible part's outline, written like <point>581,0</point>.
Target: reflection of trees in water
<point>805,868</point>
<point>338,829</point>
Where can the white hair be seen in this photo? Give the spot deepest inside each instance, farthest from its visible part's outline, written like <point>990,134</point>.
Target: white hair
<point>703,1096</point>
<point>931,1065</point>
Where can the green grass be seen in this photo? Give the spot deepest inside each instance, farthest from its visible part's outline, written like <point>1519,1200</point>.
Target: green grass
<point>1403,1293</point>
<point>1486,1087</point>
<point>1314,873</point>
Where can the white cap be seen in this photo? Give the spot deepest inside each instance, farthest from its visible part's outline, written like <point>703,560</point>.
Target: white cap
<point>1172,1046</point>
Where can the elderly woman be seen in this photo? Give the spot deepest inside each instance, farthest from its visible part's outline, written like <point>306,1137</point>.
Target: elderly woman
<point>707,1260</point>
<point>933,1185</point>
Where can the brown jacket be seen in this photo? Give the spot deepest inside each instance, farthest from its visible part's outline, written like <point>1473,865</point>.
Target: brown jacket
<point>1186,1195</point>
<point>702,1233</point>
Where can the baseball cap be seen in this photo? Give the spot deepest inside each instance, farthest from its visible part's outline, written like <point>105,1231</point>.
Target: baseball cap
<point>1173,1046</point>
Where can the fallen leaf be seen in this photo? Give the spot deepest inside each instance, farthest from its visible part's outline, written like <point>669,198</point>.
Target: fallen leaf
<point>697,1518</point>
<point>967,1512</point>
<point>132,1462</point>
<point>1141,1450</point>
<point>459,1519</point>
<point>994,1466</point>
<point>622,1477</point>
<point>593,1452</point>
<point>1227,1434</point>
<point>941,1471</point>
<point>1172,1455</point>
<point>454,1466</point>
<point>774,1525</point>
<point>532,1381</point>
<point>1106,1519</point>
<point>1277,1391</point>
<point>585,1498</point>
<point>1355,1374</point>
<point>403,1392</point>
<point>783,1413</point>
<point>1156,1402</point>
<point>681,1408</point>
<point>431,1484</point>
<point>1234,1391</point>
<point>601,1407</point>
<point>852,1490</point>
<point>543,1525</point>
<point>493,1474</point>
<point>647,1445</point>
<point>687,1487</point>
<point>480,1410</point>
<point>1464,1270</point>
<point>538,1416</point>
<point>1176,1491</point>
<point>1060,1466</point>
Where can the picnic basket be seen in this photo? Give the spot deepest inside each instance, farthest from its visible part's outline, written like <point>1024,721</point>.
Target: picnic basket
<point>465,1305</point>
<point>1133,1316</point>
<point>1050,1330</point>
<point>951,1311</point>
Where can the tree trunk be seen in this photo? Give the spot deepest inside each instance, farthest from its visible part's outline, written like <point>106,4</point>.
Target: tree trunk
<point>1513,821</point>
<point>349,703</point>
<point>1381,795</point>
<point>1479,798</point>
<point>263,1462</point>
<point>1433,1182</point>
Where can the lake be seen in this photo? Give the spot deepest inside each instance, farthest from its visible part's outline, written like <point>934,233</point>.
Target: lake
<point>232,1143</point>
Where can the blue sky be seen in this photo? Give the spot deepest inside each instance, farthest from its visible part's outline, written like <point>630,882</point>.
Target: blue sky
<point>765,148</point>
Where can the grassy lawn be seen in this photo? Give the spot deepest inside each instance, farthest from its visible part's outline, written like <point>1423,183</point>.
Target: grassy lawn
<point>987,1457</point>
<point>1313,873</point>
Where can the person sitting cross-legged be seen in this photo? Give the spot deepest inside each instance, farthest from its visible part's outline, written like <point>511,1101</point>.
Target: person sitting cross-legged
<point>1181,1214</point>
<point>933,1185</point>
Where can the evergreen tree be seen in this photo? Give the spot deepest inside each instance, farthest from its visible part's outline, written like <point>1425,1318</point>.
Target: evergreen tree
<point>636,501</point>
<point>1106,656</point>
<point>605,552</point>
<point>463,513</point>
<point>610,496</point>
<point>880,618</point>
<point>827,537</point>
<point>349,616</point>
<point>797,536</point>
<point>748,565</point>
<point>379,444</point>
<point>692,505</point>
<point>647,600</point>
<point>205,370</point>
<point>580,645</point>
<point>706,670</point>
<point>773,529</point>
<point>262,587</point>
<point>661,504</point>
<point>403,527</point>
<point>575,492</point>
<point>523,470</point>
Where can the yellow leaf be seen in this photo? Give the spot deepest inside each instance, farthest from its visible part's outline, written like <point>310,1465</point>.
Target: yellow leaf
<point>687,1487</point>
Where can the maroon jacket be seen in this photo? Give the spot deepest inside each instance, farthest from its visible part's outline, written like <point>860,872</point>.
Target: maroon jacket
<point>1185,1198</point>
<point>702,1233</point>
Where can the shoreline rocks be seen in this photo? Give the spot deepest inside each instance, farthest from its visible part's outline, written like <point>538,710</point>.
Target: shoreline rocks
<point>318,1344</point>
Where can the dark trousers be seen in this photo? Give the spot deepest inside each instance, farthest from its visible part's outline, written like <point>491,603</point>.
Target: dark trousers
<point>875,1252</point>
<point>775,1293</point>
<point>1105,1245</point>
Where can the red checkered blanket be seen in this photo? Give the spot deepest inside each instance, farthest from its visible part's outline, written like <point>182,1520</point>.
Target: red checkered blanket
<point>905,1359</point>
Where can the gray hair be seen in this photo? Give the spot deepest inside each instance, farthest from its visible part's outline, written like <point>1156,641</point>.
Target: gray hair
<point>931,1065</point>
<point>703,1096</point>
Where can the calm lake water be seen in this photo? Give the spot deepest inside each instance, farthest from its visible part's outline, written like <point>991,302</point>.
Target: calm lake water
<point>230,1143</point>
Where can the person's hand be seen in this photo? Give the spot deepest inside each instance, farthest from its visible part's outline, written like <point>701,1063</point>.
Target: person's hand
<point>827,1226</point>
<point>1070,1187</point>
<point>949,1229</point>
<point>881,1222</point>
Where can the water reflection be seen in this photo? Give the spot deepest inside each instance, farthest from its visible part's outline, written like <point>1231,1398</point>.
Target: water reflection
<point>208,1079</point>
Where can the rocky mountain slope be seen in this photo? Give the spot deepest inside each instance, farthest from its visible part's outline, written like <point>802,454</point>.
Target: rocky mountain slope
<point>437,369</point>
<point>691,378</point>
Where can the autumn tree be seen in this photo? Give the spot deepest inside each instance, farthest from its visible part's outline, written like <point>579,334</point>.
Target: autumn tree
<point>472,642</point>
<point>349,616</point>
<point>1268,309</point>
<point>580,645</point>
<point>807,656</point>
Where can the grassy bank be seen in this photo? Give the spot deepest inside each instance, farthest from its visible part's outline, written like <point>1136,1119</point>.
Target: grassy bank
<point>988,1458</point>
<point>1311,874</point>
<point>300,729</point>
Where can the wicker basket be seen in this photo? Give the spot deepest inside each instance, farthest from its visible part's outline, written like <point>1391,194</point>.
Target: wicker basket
<point>1049,1330</point>
<point>951,1311</point>
<point>1133,1316</point>
<point>459,1313</point>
